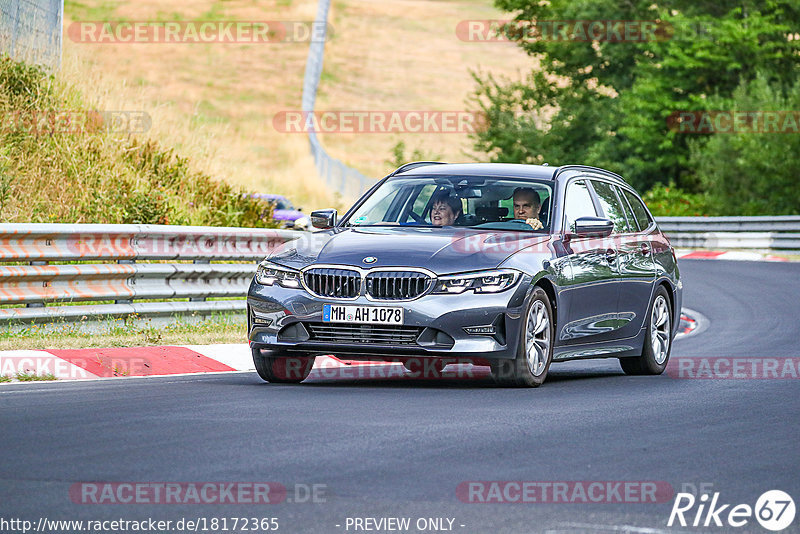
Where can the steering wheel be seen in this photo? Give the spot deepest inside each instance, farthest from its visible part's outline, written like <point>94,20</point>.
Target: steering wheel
<point>417,218</point>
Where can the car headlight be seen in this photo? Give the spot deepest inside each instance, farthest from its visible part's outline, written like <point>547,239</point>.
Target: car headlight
<point>302,223</point>
<point>269,273</point>
<point>479,282</point>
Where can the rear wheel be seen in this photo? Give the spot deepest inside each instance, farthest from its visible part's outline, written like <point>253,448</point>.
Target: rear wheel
<point>657,342</point>
<point>535,350</point>
<point>282,369</point>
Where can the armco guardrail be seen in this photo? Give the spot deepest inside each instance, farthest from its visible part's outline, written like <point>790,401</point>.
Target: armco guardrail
<point>777,233</point>
<point>105,264</point>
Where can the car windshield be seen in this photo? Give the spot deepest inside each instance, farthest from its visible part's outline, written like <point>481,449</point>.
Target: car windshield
<point>464,201</point>
<point>282,204</point>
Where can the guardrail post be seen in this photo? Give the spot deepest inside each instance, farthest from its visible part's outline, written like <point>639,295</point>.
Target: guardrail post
<point>37,304</point>
<point>125,301</point>
<point>199,299</point>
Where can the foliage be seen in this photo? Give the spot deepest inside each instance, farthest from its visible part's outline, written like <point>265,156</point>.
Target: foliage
<point>671,201</point>
<point>89,174</point>
<point>607,103</point>
<point>399,155</point>
<point>754,173</point>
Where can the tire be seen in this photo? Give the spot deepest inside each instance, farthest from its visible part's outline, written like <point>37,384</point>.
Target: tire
<point>282,369</point>
<point>655,356</point>
<point>535,349</point>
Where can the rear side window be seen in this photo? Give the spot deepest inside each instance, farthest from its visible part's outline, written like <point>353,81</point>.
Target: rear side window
<point>578,203</point>
<point>612,207</point>
<point>627,209</point>
<point>639,211</point>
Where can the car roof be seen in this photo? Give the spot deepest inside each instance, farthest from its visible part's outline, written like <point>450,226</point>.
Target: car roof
<point>507,170</point>
<point>510,170</point>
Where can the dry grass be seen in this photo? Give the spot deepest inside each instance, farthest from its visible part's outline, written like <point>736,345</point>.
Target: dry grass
<point>405,55</point>
<point>215,102</point>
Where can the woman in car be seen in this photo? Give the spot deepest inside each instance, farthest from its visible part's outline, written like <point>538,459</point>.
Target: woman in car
<point>445,210</point>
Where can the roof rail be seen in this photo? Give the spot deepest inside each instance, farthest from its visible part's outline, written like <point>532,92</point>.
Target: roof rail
<point>414,165</point>
<point>598,170</point>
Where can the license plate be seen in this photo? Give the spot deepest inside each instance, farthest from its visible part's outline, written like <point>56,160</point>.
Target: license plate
<point>332,313</point>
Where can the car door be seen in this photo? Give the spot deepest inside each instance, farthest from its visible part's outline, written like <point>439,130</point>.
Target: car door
<point>640,271</point>
<point>589,296</point>
<point>633,260</point>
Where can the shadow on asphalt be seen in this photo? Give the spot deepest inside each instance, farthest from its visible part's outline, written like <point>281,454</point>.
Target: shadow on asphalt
<point>478,378</point>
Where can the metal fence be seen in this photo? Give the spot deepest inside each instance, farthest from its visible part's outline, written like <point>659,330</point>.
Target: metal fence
<point>349,182</point>
<point>772,233</point>
<point>30,30</point>
<point>67,272</point>
<point>47,271</point>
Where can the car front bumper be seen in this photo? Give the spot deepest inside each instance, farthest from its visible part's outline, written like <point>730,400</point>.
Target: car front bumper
<point>285,321</point>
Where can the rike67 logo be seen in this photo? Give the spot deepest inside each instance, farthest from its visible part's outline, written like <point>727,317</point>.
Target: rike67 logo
<point>774,510</point>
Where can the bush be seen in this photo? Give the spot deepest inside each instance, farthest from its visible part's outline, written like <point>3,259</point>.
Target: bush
<point>670,201</point>
<point>754,173</point>
<point>94,176</point>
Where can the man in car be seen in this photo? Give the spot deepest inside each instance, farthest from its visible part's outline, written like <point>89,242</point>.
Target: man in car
<point>445,209</point>
<point>526,206</point>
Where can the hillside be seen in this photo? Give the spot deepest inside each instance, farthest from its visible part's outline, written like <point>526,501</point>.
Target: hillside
<point>214,103</point>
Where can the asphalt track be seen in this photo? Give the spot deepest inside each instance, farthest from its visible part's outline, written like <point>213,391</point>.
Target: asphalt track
<point>399,448</point>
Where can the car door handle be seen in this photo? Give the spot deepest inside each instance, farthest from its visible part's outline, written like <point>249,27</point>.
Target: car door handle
<point>645,249</point>
<point>611,255</point>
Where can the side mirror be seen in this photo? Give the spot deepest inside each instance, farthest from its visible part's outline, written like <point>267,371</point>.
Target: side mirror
<point>323,219</point>
<point>593,227</point>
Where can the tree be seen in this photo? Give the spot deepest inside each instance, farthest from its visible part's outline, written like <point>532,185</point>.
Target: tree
<point>608,103</point>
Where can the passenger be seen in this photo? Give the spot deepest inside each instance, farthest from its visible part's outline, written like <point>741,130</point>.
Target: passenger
<point>527,205</point>
<point>445,210</point>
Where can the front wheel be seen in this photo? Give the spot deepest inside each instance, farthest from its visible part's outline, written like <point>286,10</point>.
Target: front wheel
<point>282,369</point>
<point>535,351</point>
<point>657,342</point>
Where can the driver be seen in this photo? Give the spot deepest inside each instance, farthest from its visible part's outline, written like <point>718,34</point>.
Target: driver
<point>445,209</point>
<point>527,205</point>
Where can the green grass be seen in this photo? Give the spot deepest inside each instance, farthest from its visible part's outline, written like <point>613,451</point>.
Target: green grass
<point>4,378</point>
<point>33,377</point>
<point>91,11</point>
<point>130,331</point>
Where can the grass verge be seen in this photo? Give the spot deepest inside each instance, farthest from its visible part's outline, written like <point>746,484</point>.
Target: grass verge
<point>128,332</point>
<point>33,377</point>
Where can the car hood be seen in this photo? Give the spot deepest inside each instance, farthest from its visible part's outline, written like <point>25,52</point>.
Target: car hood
<point>441,250</point>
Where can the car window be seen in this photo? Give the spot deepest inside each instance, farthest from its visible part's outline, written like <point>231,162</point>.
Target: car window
<point>481,201</point>
<point>639,211</point>
<point>421,203</point>
<point>632,222</point>
<point>578,203</point>
<point>612,207</point>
